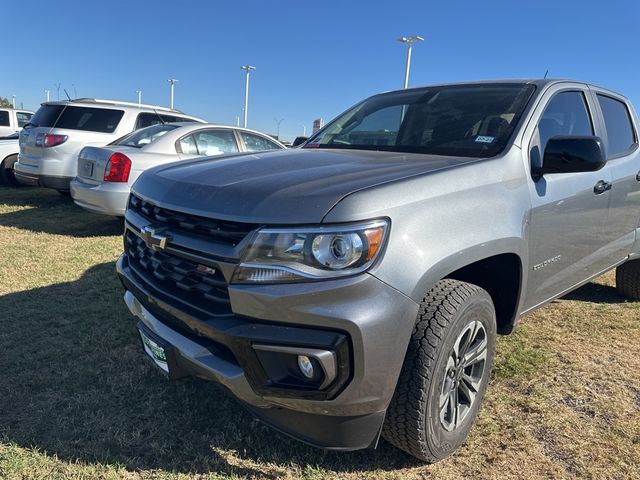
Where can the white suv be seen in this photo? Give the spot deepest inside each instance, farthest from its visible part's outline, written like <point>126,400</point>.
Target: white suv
<point>50,144</point>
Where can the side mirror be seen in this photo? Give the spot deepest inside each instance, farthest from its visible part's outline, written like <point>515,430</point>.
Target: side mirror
<point>569,154</point>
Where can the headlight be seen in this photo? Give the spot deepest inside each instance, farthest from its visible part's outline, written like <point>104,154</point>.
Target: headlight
<point>305,254</point>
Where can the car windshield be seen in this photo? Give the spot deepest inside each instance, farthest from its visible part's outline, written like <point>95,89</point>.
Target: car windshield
<point>140,138</point>
<point>457,120</point>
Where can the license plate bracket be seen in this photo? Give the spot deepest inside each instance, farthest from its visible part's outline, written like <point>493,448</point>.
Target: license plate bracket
<point>161,353</point>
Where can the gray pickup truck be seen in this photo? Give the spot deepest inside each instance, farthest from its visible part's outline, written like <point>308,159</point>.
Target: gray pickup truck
<point>354,287</point>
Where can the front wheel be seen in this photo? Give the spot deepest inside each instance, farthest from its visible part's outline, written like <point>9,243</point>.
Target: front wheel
<point>445,372</point>
<point>6,171</point>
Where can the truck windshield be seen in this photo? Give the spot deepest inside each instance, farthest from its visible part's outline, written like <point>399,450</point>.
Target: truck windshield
<point>458,120</point>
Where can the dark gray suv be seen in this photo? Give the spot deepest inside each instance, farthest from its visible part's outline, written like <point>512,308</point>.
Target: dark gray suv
<point>355,286</point>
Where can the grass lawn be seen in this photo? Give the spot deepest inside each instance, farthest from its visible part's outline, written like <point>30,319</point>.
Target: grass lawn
<point>78,400</point>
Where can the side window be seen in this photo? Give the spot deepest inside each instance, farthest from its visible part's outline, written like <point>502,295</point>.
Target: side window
<point>4,118</point>
<point>617,121</point>
<point>215,142</point>
<point>256,143</point>
<point>177,119</point>
<point>146,120</point>
<point>188,145</point>
<point>23,118</point>
<point>566,114</point>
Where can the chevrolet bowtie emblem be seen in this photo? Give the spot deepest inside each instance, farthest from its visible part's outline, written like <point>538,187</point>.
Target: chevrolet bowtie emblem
<point>153,239</point>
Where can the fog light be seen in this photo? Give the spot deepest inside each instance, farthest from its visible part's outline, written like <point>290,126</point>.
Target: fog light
<point>305,366</point>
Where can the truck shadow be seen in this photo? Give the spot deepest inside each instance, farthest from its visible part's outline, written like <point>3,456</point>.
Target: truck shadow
<point>75,384</point>
<point>596,293</point>
<point>44,210</point>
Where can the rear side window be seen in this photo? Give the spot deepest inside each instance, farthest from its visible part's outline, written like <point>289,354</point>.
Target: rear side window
<point>617,121</point>
<point>566,114</point>
<point>90,119</point>
<point>4,118</point>
<point>148,119</point>
<point>23,118</point>
<point>187,145</point>
<point>256,143</point>
<point>215,142</point>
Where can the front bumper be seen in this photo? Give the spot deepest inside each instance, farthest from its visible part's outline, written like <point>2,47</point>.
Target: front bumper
<point>377,320</point>
<point>30,175</point>
<point>105,198</point>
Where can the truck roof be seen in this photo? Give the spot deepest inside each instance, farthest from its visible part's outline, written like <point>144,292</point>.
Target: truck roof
<point>538,82</point>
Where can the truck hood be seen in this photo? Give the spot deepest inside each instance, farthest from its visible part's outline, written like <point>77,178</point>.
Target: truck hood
<point>279,187</point>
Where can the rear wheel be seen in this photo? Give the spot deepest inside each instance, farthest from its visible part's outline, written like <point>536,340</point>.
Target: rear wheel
<point>445,372</point>
<point>6,171</point>
<point>628,279</point>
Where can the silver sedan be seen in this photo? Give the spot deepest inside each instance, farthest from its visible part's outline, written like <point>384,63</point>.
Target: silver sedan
<point>105,174</point>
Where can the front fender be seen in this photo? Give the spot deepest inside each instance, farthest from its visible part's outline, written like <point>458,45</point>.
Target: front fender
<point>455,261</point>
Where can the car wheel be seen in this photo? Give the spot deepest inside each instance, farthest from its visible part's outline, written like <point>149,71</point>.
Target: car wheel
<point>628,279</point>
<point>6,171</point>
<point>445,371</point>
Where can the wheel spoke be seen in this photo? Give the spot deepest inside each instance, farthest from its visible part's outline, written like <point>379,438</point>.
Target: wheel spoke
<point>473,383</point>
<point>464,341</point>
<point>476,354</point>
<point>453,404</point>
<point>444,411</point>
<point>467,389</point>
<point>446,383</point>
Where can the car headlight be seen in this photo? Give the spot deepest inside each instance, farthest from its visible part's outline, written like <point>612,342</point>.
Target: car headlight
<point>278,255</point>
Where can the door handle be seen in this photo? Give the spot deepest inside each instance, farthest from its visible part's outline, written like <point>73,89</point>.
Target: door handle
<point>601,187</point>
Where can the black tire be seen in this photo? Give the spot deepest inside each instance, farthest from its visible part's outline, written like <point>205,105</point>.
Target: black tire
<point>413,422</point>
<point>6,171</point>
<point>64,193</point>
<point>628,279</point>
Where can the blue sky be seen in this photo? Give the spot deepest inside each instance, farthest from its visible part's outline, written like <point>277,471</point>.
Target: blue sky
<point>313,59</point>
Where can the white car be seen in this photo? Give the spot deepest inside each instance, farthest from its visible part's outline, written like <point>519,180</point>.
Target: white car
<point>12,120</point>
<point>105,175</point>
<point>8,156</point>
<point>50,144</point>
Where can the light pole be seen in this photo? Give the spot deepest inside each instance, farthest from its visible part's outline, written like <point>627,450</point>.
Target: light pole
<point>58,85</point>
<point>247,69</point>
<point>47,93</point>
<point>409,41</point>
<point>172,81</point>
<point>278,122</point>
<point>304,130</point>
<point>14,101</point>
<point>139,92</point>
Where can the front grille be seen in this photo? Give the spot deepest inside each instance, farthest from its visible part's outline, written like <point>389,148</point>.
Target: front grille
<point>229,233</point>
<point>202,287</point>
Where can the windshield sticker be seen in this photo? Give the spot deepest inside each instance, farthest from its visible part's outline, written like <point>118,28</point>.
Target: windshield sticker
<point>484,139</point>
